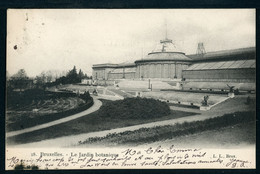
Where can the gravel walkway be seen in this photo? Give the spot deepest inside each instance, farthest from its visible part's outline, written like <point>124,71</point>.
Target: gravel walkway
<point>97,104</point>
<point>228,106</point>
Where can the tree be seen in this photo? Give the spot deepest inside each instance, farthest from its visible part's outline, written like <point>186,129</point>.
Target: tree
<point>72,76</point>
<point>20,75</point>
<point>73,71</point>
<point>20,80</point>
<point>40,80</point>
<point>49,76</point>
<point>80,75</point>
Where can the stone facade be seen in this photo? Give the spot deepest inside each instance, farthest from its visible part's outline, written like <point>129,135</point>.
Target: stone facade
<point>166,62</point>
<point>169,70</point>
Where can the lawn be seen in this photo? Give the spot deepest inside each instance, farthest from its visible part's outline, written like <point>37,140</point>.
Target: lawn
<point>221,127</point>
<point>97,122</point>
<point>230,137</point>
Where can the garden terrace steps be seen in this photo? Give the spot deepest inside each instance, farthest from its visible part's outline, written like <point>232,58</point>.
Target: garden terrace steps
<point>218,86</point>
<point>184,97</point>
<point>120,92</point>
<point>107,92</point>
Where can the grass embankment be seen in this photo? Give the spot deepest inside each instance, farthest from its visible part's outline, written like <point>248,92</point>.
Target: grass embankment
<point>112,114</point>
<point>30,119</point>
<point>25,121</point>
<point>160,133</point>
<point>230,137</point>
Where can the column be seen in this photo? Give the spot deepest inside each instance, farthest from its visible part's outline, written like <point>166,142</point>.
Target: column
<point>162,70</point>
<point>151,71</point>
<point>169,70</point>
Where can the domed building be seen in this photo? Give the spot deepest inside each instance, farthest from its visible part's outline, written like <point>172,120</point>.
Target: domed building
<point>165,61</point>
<point>168,63</point>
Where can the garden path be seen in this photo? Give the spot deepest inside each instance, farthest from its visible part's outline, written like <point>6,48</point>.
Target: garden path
<point>97,104</point>
<point>228,106</point>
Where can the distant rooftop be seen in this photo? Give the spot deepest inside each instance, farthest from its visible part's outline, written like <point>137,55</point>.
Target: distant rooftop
<point>111,65</point>
<point>165,56</point>
<point>103,65</point>
<point>127,63</point>
<point>234,54</point>
<point>225,54</point>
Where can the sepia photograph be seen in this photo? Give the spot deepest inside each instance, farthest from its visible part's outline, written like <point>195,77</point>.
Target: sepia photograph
<point>130,88</point>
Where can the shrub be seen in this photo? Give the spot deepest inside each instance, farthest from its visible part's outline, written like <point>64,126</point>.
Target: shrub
<point>134,108</point>
<point>86,96</point>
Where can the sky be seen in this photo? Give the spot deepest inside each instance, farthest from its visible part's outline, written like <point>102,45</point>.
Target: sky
<point>57,39</point>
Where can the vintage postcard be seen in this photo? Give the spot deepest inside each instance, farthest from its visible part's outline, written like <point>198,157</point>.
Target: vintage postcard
<point>131,89</point>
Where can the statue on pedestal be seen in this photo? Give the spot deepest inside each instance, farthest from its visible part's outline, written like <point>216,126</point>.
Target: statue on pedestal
<point>231,88</point>
<point>205,101</point>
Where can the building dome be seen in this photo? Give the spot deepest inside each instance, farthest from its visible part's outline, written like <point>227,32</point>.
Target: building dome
<point>165,51</point>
